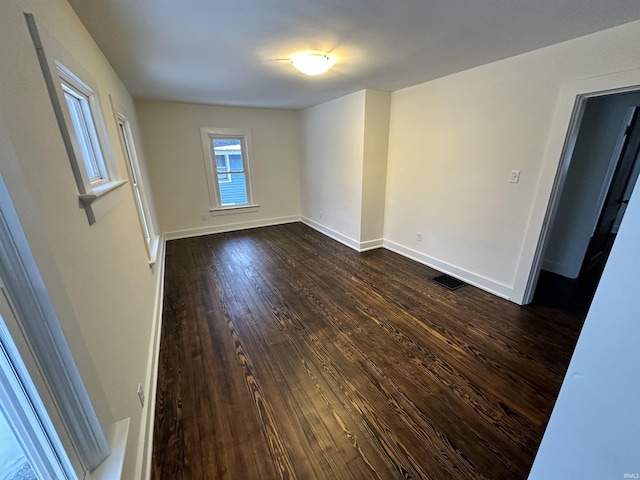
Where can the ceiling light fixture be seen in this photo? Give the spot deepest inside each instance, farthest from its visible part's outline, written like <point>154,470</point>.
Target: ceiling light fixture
<point>312,63</point>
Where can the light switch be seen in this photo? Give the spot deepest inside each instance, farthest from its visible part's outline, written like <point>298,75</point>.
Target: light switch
<point>515,176</point>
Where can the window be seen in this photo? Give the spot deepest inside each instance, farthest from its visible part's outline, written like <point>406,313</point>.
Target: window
<point>139,194</point>
<point>85,132</point>
<point>227,155</point>
<point>31,321</point>
<point>85,137</point>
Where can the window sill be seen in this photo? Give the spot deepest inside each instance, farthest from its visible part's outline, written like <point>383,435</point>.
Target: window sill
<point>111,468</point>
<point>235,209</point>
<point>153,251</point>
<point>97,192</point>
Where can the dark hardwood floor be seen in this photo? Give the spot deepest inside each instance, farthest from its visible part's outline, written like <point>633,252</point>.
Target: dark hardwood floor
<point>287,355</point>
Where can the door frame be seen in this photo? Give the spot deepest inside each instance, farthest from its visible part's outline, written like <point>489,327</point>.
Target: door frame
<point>560,146</point>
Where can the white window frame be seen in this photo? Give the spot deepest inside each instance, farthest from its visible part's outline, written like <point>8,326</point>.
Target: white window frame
<point>55,73</point>
<point>207,135</point>
<point>77,422</point>
<point>90,188</point>
<point>151,238</point>
<point>25,411</point>
<point>86,135</point>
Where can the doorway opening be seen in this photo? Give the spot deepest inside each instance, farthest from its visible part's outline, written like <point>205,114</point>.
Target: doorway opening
<point>600,176</point>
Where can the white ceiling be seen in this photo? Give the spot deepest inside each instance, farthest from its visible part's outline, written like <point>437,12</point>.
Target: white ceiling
<point>236,52</point>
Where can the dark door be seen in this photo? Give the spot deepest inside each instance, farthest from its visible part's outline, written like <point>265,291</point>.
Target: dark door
<point>603,235</point>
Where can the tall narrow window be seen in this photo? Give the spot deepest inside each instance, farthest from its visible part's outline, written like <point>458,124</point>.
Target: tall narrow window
<point>85,132</point>
<point>139,194</point>
<point>227,159</point>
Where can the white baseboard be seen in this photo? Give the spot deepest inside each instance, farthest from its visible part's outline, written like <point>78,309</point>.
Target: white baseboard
<point>371,244</point>
<point>338,237</point>
<point>145,439</point>
<point>486,284</point>
<point>483,283</point>
<point>229,227</point>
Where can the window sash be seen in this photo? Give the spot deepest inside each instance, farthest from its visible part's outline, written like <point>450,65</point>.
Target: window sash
<point>86,134</point>
<point>231,185</point>
<point>138,188</point>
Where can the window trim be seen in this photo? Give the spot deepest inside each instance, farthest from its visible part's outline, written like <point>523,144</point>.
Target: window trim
<point>90,190</point>
<point>85,100</point>
<point>54,71</point>
<point>207,134</point>
<point>149,235</point>
<point>41,328</point>
<point>23,407</point>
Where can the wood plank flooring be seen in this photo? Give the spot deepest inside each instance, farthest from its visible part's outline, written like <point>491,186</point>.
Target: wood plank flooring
<point>287,355</point>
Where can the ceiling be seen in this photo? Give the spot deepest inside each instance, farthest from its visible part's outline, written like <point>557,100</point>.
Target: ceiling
<point>236,52</point>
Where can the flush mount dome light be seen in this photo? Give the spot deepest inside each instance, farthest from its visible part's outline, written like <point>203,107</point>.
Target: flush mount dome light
<point>312,63</point>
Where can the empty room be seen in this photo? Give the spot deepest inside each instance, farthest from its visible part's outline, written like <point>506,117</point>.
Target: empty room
<point>320,240</point>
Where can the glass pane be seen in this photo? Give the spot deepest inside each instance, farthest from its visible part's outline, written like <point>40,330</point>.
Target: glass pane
<point>127,147</point>
<point>228,152</point>
<point>221,163</point>
<point>143,217</point>
<point>13,461</point>
<point>233,192</point>
<point>82,135</point>
<point>235,163</point>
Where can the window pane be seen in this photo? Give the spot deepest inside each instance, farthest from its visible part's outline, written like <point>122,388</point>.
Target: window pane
<point>221,163</point>
<point>233,192</point>
<point>228,152</point>
<point>143,217</point>
<point>81,129</point>
<point>235,163</point>
<point>127,151</point>
<point>14,464</point>
<point>226,143</point>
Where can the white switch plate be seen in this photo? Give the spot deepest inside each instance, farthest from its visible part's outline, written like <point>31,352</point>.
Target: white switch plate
<point>419,237</point>
<point>515,176</point>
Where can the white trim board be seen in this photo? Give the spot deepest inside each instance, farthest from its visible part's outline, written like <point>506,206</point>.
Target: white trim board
<point>483,283</point>
<point>339,237</point>
<point>42,330</point>
<point>145,439</point>
<point>111,468</point>
<point>229,227</point>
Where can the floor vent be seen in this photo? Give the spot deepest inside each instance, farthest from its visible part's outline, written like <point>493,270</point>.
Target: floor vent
<point>449,282</point>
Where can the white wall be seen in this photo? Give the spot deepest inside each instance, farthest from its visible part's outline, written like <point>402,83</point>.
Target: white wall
<point>97,276</point>
<point>331,166</point>
<point>343,167</point>
<point>593,431</point>
<point>374,166</point>
<point>171,137</point>
<point>454,141</point>
<point>583,194</point>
